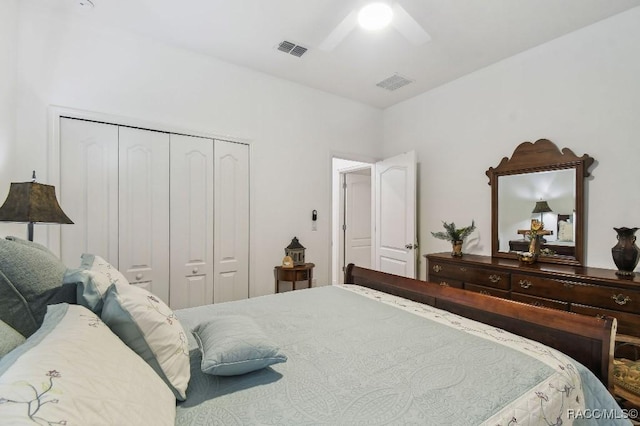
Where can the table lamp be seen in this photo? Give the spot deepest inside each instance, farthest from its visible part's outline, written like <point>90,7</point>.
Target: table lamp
<point>32,202</point>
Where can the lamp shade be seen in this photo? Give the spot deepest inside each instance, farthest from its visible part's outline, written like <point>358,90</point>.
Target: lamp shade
<point>32,202</point>
<point>541,207</point>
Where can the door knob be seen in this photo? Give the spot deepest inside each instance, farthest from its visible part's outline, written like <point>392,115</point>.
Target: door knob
<point>139,276</point>
<point>408,246</point>
<point>195,270</point>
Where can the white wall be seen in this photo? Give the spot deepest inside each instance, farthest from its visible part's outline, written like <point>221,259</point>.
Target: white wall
<point>292,129</point>
<point>8,99</point>
<point>581,91</point>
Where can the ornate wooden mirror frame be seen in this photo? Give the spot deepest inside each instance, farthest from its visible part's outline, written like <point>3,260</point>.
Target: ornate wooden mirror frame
<point>540,158</point>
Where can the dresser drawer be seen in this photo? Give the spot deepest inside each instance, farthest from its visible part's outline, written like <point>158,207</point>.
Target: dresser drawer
<point>447,270</point>
<point>540,301</point>
<point>447,282</point>
<point>439,271</point>
<point>487,290</point>
<point>576,292</point>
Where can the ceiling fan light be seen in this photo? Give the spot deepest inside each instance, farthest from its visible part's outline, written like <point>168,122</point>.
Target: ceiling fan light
<point>375,16</point>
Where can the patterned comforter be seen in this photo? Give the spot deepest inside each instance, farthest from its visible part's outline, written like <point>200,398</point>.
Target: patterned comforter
<point>358,356</point>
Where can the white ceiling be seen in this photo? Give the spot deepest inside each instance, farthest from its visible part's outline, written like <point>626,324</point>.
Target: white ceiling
<point>466,35</point>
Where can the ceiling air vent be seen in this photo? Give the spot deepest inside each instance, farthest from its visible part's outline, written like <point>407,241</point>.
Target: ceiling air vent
<point>292,48</point>
<point>394,82</point>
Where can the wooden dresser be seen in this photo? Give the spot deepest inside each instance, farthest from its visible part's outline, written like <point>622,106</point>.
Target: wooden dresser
<point>591,291</point>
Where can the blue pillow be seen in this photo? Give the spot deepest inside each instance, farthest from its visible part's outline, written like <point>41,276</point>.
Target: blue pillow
<point>233,345</point>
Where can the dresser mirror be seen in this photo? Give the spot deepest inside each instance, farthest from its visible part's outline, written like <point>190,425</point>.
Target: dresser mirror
<point>540,182</point>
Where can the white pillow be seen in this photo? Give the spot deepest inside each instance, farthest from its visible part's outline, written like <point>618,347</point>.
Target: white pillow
<point>93,279</point>
<point>83,375</point>
<point>149,327</point>
<point>565,231</point>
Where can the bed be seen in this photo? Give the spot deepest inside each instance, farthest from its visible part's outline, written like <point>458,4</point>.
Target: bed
<point>380,350</point>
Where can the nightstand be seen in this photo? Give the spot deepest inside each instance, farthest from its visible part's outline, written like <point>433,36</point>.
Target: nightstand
<point>293,275</point>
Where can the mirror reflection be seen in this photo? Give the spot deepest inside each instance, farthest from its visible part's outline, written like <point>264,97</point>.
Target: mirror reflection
<point>549,196</point>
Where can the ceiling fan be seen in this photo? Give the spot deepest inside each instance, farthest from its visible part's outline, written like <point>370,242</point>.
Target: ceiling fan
<point>384,14</point>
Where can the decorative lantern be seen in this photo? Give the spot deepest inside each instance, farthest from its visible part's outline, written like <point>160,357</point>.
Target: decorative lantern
<point>295,250</point>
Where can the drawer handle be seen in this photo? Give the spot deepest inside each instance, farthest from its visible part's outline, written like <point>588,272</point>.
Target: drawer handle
<point>444,284</point>
<point>525,283</point>
<point>485,292</point>
<point>567,284</point>
<point>621,299</point>
<point>139,276</point>
<point>494,278</point>
<point>537,304</point>
<point>463,269</point>
<point>600,316</point>
<point>195,270</point>
<point>437,268</point>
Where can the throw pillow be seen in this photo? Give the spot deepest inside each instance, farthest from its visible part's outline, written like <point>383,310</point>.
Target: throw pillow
<point>233,345</point>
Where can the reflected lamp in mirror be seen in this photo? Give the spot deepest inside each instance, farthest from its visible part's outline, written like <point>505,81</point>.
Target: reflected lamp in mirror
<point>541,207</point>
<point>32,202</point>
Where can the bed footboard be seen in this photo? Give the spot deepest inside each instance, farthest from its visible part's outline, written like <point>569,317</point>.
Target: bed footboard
<point>588,340</point>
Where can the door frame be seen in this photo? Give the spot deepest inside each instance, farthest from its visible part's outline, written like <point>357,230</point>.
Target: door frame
<point>334,222</point>
<point>342,214</point>
<point>55,112</point>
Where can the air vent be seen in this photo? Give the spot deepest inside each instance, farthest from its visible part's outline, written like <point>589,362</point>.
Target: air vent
<point>292,48</point>
<point>394,82</point>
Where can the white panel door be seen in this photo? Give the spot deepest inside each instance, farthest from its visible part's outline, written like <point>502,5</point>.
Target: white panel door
<point>191,221</point>
<point>395,201</point>
<point>89,190</point>
<point>358,219</point>
<point>144,209</point>
<point>231,250</point>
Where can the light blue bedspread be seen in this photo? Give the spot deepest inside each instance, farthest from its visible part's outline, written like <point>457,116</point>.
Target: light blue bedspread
<point>354,360</point>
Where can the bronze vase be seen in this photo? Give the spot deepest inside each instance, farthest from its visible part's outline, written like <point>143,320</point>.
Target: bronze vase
<point>456,248</point>
<point>626,253</point>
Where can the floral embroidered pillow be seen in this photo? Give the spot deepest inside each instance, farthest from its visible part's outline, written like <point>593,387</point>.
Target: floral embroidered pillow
<point>149,327</point>
<point>93,279</point>
<point>75,371</point>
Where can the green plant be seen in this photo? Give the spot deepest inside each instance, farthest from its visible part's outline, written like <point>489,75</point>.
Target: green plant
<point>452,233</point>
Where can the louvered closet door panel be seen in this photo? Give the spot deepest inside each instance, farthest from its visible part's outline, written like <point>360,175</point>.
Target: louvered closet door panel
<point>144,209</point>
<point>231,250</point>
<point>89,190</point>
<point>191,221</point>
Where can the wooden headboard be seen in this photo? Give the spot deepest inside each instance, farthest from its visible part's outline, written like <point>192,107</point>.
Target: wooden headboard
<point>588,340</point>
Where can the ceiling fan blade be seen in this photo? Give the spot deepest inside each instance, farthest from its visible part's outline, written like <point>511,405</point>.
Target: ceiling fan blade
<point>408,27</point>
<point>340,32</point>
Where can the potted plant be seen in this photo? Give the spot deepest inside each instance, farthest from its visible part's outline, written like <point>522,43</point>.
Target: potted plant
<point>455,235</point>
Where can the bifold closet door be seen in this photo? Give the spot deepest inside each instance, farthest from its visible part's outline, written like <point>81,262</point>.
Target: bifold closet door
<point>89,190</point>
<point>191,221</point>
<point>144,209</point>
<point>231,218</point>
